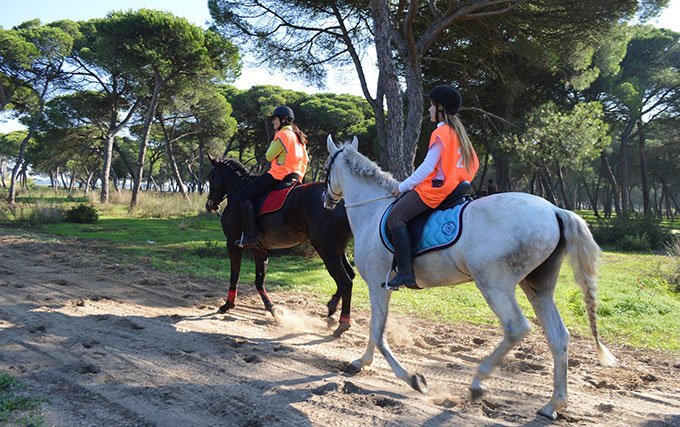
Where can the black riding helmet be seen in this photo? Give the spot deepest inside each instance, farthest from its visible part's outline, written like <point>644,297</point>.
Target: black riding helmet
<point>448,97</point>
<point>285,114</point>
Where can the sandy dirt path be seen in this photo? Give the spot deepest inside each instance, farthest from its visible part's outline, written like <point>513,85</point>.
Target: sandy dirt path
<point>123,344</point>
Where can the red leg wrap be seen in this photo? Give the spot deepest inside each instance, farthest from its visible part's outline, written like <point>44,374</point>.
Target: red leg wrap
<point>265,298</point>
<point>232,295</point>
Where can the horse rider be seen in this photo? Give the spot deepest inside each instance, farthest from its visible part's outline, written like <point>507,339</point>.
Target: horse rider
<point>491,187</point>
<point>288,156</point>
<point>450,160</point>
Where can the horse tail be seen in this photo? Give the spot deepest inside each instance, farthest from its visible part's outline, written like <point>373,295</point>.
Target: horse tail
<point>584,254</point>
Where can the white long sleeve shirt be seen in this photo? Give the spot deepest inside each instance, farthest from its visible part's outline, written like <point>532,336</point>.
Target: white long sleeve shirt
<point>432,159</point>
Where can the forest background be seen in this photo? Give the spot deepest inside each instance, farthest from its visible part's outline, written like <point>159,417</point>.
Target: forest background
<point>578,104</point>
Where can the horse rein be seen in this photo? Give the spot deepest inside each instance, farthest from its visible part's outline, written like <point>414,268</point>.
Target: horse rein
<point>364,202</point>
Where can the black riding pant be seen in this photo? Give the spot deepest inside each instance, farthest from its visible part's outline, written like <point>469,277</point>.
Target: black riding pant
<point>263,184</point>
<point>407,207</point>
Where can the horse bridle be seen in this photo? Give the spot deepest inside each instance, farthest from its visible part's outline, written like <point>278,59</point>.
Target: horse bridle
<point>332,202</point>
<point>226,194</point>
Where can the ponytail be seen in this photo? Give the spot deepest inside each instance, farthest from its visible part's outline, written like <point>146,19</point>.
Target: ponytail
<point>465,145</point>
<point>301,135</point>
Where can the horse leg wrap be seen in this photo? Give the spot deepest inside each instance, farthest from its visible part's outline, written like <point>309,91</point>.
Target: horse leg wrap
<point>231,297</point>
<point>345,319</point>
<point>265,299</point>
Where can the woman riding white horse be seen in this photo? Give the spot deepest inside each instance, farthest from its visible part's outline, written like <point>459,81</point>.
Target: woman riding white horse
<point>450,160</point>
<point>507,238</point>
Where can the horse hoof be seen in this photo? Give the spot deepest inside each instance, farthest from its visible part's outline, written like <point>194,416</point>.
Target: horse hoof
<point>476,391</point>
<point>276,311</point>
<point>226,307</point>
<point>332,306</point>
<point>342,327</point>
<point>549,412</point>
<point>352,369</point>
<point>418,382</point>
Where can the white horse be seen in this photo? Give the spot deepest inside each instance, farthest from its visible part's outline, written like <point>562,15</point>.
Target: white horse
<point>507,238</point>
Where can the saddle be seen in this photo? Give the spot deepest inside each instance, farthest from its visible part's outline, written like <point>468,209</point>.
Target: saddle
<point>437,229</point>
<point>274,200</point>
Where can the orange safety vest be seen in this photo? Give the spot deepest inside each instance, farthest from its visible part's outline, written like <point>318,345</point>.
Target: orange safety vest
<point>296,155</point>
<point>450,164</point>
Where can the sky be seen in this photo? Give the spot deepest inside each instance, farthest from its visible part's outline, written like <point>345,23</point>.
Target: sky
<point>196,11</point>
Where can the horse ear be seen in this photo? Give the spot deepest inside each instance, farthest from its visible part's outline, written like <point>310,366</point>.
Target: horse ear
<point>212,159</point>
<point>355,143</point>
<point>331,145</point>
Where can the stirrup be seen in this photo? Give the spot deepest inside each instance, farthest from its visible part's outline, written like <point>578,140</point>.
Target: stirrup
<point>249,244</point>
<point>387,286</point>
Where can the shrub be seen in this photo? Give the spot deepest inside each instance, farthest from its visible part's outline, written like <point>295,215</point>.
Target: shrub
<point>634,233</point>
<point>671,272</point>
<point>167,205</point>
<point>47,214</point>
<point>634,243</point>
<point>6,211</point>
<point>211,249</point>
<point>83,214</point>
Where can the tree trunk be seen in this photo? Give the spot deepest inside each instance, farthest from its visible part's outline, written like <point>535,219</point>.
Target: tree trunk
<point>560,178</point>
<point>200,164</point>
<point>532,183</point>
<point>393,158</point>
<point>87,183</point>
<point>175,170</point>
<point>607,204</point>
<point>658,202</point>
<point>669,207</point>
<point>623,167</point>
<point>106,168</point>
<point>612,182</point>
<point>596,189</point>
<point>22,147</point>
<point>593,201</point>
<point>547,185</point>
<point>643,169</point>
<point>675,202</point>
<point>71,182</point>
<point>2,171</point>
<point>137,184</point>
<point>414,115</point>
<point>115,181</point>
<point>149,176</point>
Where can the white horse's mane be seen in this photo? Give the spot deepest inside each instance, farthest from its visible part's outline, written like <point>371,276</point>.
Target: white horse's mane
<point>362,166</point>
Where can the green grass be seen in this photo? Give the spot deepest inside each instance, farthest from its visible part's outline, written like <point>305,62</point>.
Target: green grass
<point>644,317</point>
<point>15,407</point>
<point>636,307</point>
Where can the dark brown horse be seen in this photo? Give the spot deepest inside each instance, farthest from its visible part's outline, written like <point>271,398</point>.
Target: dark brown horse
<point>302,218</point>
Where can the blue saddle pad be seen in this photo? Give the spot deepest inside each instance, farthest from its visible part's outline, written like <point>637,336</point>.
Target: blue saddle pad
<point>433,230</point>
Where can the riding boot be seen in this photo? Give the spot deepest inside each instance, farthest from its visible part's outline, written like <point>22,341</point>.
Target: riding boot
<point>404,256</point>
<point>249,236</point>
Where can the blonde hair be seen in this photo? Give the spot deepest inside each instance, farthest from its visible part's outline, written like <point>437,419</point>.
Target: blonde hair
<point>465,145</point>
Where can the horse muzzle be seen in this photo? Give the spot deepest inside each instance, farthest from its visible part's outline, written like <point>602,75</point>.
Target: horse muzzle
<point>211,206</point>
